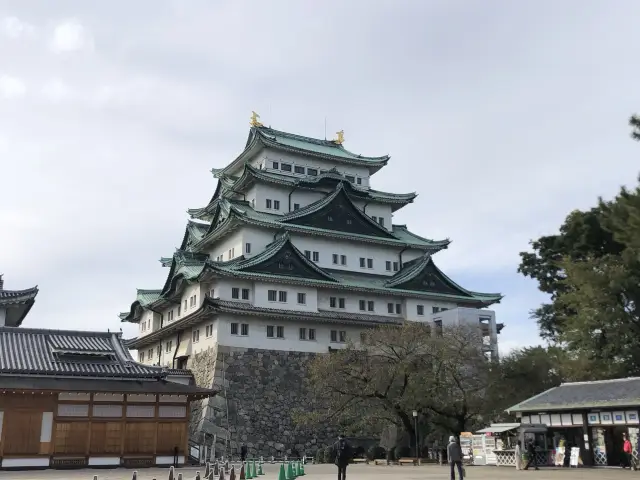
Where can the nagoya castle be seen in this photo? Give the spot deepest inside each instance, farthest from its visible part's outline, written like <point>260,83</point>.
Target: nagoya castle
<point>294,255</point>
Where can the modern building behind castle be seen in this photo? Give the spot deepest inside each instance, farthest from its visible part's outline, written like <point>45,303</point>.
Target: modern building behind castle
<point>294,255</point>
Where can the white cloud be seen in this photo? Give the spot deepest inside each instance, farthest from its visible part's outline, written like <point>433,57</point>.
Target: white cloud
<point>11,87</point>
<point>71,36</point>
<point>56,90</point>
<point>14,28</point>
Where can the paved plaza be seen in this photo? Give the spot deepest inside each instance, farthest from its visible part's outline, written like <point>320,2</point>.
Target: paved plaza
<point>328,472</point>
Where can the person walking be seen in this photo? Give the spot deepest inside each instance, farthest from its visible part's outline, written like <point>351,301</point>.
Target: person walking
<point>627,449</point>
<point>454,455</point>
<point>243,452</point>
<point>342,453</point>
<point>531,454</point>
<point>519,455</point>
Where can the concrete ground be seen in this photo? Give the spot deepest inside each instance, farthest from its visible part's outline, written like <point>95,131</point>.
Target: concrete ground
<point>329,472</point>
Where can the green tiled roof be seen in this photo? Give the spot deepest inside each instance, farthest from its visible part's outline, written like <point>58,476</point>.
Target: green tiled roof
<point>237,212</point>
<point>260,137</point>
<point>20,302</point>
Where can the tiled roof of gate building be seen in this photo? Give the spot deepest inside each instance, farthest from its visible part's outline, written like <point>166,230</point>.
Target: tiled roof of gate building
<point>618,393</point>
<point>69,353</point>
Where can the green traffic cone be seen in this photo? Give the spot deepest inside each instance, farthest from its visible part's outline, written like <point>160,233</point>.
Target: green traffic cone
<point>295,469</point>
<point>282,475</point>
<point>290,474</point>
<point>301,469</point>
<point>253,469</point>
<point>249,472</point>
<point>260,472</point>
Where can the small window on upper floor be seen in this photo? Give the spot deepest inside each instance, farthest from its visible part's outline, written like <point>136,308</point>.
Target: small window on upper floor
<point>359,181</point>
<point>420,309</point>
<point>285,167</point>
<point>316,256</point>
<point>395,266</point>
<point>351,178</point>
<point>296,206</point>
<point>268,203</point>
<point>196,336</point>
<point>276,165</point>
<point>375,219</point>
<point>312,171</point>
<point>298,169</point>
<point>381,221</point>
<point>245,294</point>
<point>276,204</point>
<point>388,265</point>
<point>307,253</point>
<point>247,248</point>
<point>141,356</point>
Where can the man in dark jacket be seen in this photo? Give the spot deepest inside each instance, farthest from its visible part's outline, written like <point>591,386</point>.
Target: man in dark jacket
<point>454,455</point>
<point>243,452</point>
<point>531,454</point>
<point>342,452</point>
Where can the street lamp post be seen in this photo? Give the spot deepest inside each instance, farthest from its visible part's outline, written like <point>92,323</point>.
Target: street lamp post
<point>415,422</point>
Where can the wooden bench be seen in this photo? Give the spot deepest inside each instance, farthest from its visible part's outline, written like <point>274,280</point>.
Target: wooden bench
<point>360,460</point>
<point>407,461</point>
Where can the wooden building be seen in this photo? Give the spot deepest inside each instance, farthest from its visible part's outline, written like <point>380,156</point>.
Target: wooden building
<point>592,416</point>
<point>70,398</point>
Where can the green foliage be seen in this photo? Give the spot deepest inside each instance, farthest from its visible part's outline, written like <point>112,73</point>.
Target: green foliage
<point>319,456</point>
<point>581,236</point>
<point>634,122</point>
<point>328,455</point>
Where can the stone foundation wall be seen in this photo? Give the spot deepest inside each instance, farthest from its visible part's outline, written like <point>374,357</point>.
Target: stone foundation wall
<point>259,390</point>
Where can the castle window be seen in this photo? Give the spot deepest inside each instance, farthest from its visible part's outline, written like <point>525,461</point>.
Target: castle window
<point>208,330</point>
<point>334,335</point>
<point>390,307</point>
<point>169,346</point>
<point>359,181</point>
<point>282,296</point>
<point>343,336</point>
<point>381,221</point>
<point>141,356</point>
<point>370,305</point>
<point>298,169</point>
<point>398,308</point>
<point>349,221</point>
<point>333,302</point>
<point>268,203</point>
<point>316,256</point>
<point>244,329</point>
<point>245,294</point>
<point>150,353</point>
<point>388,265</point>
<point>303,333</point>
<point>369,262</point>
<point>307,253</point>
<point>276,165</point>
<point>302,298</point>
<point>351,178</point>
<point>296,206</point>
<point>312,334</point>
<point>285,167</point>
<point>335,259</point>
<point>420,309</point>
<point>247,248</point>
<point>269,331</point>
<point>272,295</point>
<point>362,262</point>
<point>343,259</point>
<point>235,292</point>
<point>170,315</point>
<point>234,329</point>
<point>341,303</point>
<point>196,336</point>
<point>363,305</point>
<point>276,204</point>
<point>312,171</point>
<point>329,218</point>
<point>280,332</point>
<point>395,266</point>
<point>375,219</point>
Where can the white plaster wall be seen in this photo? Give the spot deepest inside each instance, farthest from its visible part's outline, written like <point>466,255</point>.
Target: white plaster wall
<point>352,302</point>
<point>257,337</point>
<point>149,322</point>
<point>205,342</point>
<point>224,289</point>
<point>373,209</point>
<point>262,298</point>
<point>412,308</point>
<point>187,308</point>
<point>353,251</point>
<point>228,243</point>
<point>258,238</point>
<point>267,156</point>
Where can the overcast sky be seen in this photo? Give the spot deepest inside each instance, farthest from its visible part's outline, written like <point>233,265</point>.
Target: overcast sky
<point>503,115</point>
